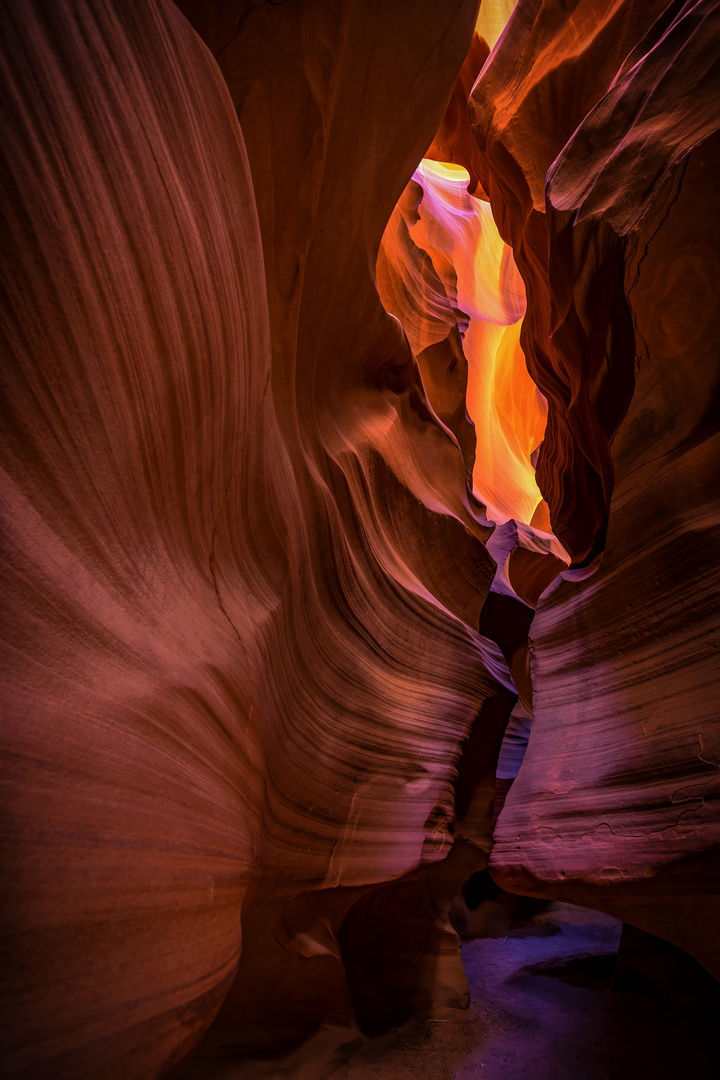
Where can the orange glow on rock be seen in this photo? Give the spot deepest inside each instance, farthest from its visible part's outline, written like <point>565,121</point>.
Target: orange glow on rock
<point>477,290</point>
<point>509,414</point>
<point>492,19</point>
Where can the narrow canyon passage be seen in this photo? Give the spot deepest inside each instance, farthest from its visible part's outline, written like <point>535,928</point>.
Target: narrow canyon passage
<point>560,994</point>
<point>549,1000</point>
<point>360,547</point>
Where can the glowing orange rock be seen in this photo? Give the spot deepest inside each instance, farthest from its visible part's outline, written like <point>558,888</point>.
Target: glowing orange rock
<point>443,267</point>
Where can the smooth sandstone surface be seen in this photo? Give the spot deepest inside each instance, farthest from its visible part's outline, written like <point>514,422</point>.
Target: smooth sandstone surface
<point>298,300</point>
<point>635,784</point>
<point>616,804</point>
<point>233,648</point>
<point>131,768</point>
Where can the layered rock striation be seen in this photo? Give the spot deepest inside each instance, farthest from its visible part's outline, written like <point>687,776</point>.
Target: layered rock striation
<point>296,451</point>
<point>610,210</point>
<point>243,570</point>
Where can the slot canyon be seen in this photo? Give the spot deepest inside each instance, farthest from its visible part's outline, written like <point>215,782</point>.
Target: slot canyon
<point>360,474</point>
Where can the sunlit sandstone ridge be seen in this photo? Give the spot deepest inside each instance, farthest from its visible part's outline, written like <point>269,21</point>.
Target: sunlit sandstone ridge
<point>257,658</point>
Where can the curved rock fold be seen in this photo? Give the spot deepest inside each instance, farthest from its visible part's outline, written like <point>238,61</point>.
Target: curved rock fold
<point>360,380</point>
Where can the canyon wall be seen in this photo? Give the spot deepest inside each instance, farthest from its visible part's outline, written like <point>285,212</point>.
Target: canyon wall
<point>236,655</point>
<point>615,232</point>
<point>257,654</point>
